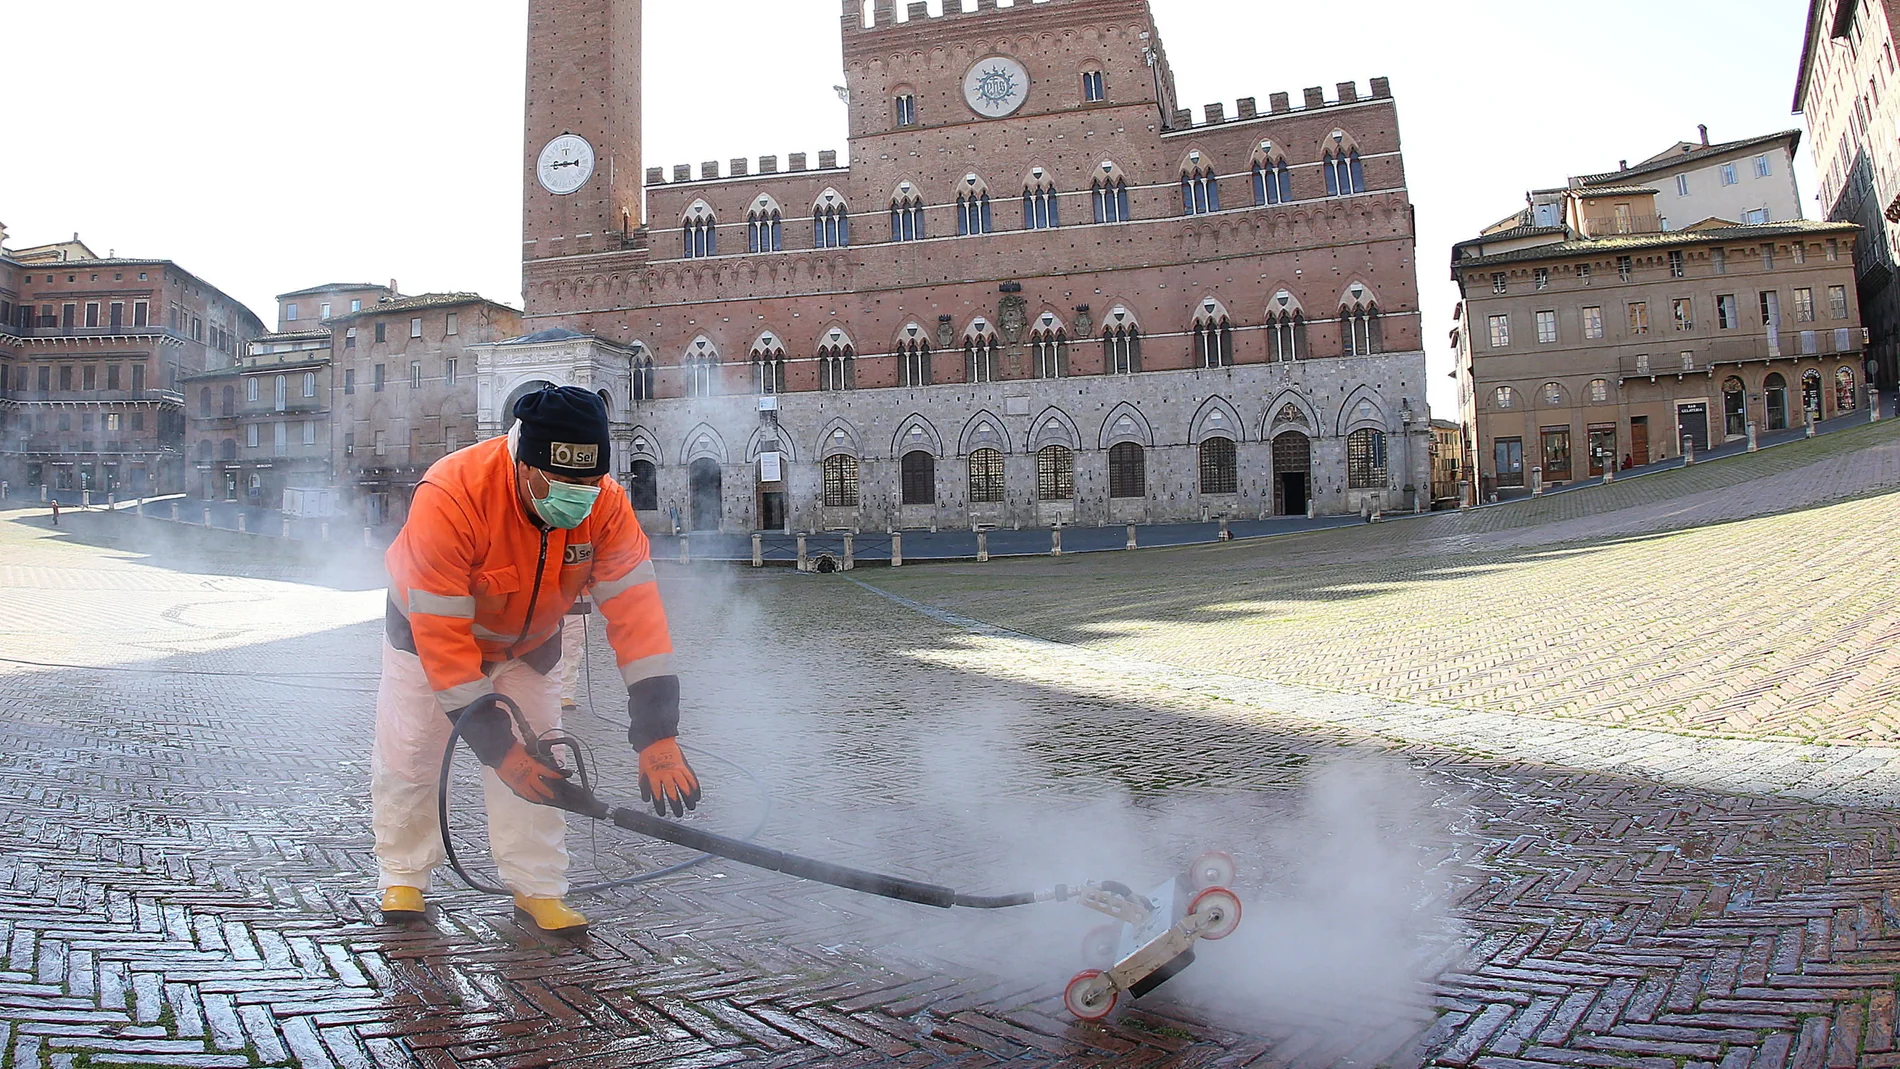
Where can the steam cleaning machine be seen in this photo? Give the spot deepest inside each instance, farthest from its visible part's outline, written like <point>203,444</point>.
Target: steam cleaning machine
<point>1149,939</point>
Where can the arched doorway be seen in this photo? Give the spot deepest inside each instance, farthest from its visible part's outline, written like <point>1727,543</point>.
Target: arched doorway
<point>1292,473</point>
<point>1776,391</point>
<point>644,486</point>
<point>708,495</point>
<point>523,390</point>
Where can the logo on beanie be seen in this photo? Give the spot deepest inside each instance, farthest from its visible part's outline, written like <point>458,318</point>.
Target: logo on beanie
<point>575,457</point>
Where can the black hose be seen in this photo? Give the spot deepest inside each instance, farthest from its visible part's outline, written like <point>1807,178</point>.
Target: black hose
<point>579,798</point>
<point>764,857</point>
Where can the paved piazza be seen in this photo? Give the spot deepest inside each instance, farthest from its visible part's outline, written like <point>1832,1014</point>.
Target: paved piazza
<point>1602,779</point>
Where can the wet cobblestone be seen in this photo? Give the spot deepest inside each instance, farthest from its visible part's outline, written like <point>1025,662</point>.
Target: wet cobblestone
<point>185,877</point>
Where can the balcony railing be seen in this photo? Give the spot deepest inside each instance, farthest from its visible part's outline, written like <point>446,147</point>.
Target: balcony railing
<point>1705,356</point>
<point>44,328</point>
<point>90,397</point>
<point>1605,226</point>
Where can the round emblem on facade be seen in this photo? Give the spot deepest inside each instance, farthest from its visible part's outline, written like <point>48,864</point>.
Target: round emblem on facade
<point>996,87</point>
<point>565,164</point>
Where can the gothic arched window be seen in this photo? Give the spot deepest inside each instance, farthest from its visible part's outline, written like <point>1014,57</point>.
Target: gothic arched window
<point>1055,473</point>
<point>981,361</point>
<point>837,367</point>
<point>831,222</point>
<point>1272,181</point>
<point>700,231</point>
<point>1040,210</point>
<point>1109,191</point>
<point>986,477</point>
<point>765,227</point>
<point>1344,175</point>
<point>643,378</point>
<point>913,362</point>
<point>1365,460</point>
<point>1220,466</point>
<point>917,475</point>
<point>1200,187</point>
<point>973,207</point>
<point>1127,471</point>
<point>841,482</point>
<point>1213,335</point>
<point>907,214</point>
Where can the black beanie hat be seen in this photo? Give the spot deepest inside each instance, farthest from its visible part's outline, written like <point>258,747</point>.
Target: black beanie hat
<point>563,430</point>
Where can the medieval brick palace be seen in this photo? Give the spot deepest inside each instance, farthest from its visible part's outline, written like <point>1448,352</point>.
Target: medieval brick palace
<point>1038,291</point>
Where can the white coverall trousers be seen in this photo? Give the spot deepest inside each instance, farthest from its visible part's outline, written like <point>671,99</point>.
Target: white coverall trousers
<point>573,648</point>
<point>528,841</point>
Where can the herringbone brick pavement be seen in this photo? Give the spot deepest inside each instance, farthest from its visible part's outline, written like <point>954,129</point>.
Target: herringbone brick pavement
<point>1768,625</point>
<point>185,880</point>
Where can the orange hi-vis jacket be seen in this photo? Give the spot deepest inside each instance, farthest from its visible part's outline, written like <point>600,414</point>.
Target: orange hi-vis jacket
<point>481,583</point>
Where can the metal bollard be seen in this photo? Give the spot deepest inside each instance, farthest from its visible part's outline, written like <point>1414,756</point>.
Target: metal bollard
<point>1809,433</point>
<point>283,530</point>
<point>758,550</point>
<point>174,511</point>
<point>325,532</point>
<point>850,551</point>
<point>686,548</point>
<point>85,499</point>
<point>1537,482</point>
<point>1055,541</point>
<point>804,556</point>
<point>897,549</point>
<point>1609,472</point>
<point>243,524</point>
<point>368,541</point>
<point>1688,451</point>
<point>1754,438</point>
<point>1131,536</point>
<point>207,515</point>
<point>1873,405</point>
<point>982,547</point>
<point>1226,534</point>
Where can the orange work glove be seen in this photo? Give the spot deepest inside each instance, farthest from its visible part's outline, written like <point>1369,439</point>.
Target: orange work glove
<point>666,777</point>
<point>529,776</point>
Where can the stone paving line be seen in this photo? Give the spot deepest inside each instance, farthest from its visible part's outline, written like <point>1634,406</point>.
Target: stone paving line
<point>1830,775</point>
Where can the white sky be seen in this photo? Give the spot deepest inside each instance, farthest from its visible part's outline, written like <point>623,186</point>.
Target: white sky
<point>269,146</point>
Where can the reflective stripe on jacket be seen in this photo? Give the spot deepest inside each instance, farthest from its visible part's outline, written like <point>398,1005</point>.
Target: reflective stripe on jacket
<point>464,572</point>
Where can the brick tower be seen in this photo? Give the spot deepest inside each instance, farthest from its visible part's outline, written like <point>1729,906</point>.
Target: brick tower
<point>583,80</point>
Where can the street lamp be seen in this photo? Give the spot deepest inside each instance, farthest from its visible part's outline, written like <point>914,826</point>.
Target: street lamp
<point>1405,418</point>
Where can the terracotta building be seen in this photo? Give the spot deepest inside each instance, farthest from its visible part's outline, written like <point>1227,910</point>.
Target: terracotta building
<point>94,350</point>
<point>1039,289</point>
<point>402,391</point>
<point>263,426</point>
<point>1605,342</point>
<point>1845,89</point>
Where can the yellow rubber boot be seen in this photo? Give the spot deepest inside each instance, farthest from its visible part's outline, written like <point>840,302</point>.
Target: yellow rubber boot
<point>551,915</point>
<point>402,905</point>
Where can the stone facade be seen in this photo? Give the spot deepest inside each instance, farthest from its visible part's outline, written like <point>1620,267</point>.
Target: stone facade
<point>1092,251</point>
<point>1581,351</point>
<point>1847,67</point>
<point>263,425</point>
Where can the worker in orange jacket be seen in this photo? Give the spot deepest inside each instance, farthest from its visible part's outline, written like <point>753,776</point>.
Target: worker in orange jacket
<point>502,537</point>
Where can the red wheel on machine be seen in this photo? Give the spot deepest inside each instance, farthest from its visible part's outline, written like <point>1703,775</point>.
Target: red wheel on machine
<point>1090,997</point>
<point>1215,868</point>
<point>1101,946</point>
<point>1219,908</point>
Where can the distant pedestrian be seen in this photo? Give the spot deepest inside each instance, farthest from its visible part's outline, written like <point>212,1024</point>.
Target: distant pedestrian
<point>56,512</point>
